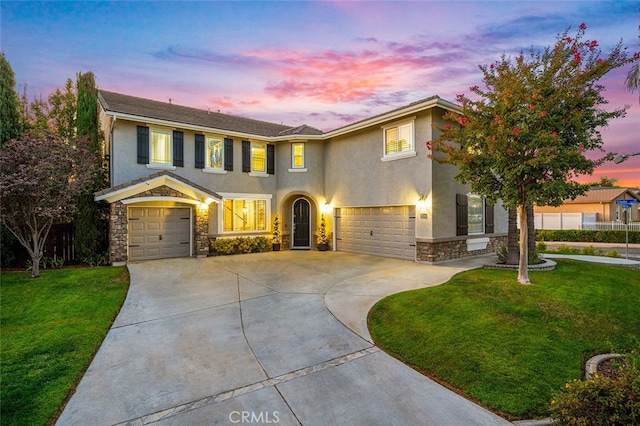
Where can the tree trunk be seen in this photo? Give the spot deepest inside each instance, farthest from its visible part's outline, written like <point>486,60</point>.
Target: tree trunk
<point>523,273</point>
<point>512,237</point>
<point>532,229</point>
<point>35,252</point>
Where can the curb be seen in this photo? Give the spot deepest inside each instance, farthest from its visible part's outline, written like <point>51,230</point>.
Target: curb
<point>591,367</point>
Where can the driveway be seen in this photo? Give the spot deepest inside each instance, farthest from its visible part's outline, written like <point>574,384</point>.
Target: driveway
<point>271,338</point>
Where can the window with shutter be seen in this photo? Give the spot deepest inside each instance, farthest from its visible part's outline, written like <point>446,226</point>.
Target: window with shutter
<point>228,154</point>
<point>199,146</point>
<point>246,156</point>
<point>178,148</point>
<point>271,159</point>
<point>462,215</point>
<point>143,145</point>
<point>489,227</point>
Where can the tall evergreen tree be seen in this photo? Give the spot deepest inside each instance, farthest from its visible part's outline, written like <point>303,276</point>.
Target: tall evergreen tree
<point>91,220</point>
<point>62,111</point>
<point>10,128</point>
<point>9,112</point>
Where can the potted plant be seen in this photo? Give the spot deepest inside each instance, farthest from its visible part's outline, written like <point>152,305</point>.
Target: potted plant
<point>275,241</point>
<point>323,245</point>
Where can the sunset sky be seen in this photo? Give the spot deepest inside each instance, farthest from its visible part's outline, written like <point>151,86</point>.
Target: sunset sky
<point>325,64</point>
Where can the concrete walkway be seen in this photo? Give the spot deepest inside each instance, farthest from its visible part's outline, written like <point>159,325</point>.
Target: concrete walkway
<point>271,338</point>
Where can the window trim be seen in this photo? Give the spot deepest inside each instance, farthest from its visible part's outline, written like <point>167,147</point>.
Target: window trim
<point>302,155</point>
<point>402,154</point>
<point>473,196</point>
<point>248,197</point>
<point>160,166</point>
<point>207,156</point>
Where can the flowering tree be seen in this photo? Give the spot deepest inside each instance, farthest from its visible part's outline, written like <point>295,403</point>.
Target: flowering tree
<point>40,177</point>
<point>523,139</point>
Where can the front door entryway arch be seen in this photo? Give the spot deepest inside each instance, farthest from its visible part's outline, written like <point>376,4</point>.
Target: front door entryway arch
<point>301,224</point>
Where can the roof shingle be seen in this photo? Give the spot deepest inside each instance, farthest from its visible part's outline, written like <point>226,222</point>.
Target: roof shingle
<point>146,108</point>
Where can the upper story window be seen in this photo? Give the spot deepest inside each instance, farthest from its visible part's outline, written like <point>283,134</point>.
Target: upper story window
<point>399,141</point>
<point>215,153</point>
<point>160,148</point>
<point>258,157</point>
<point>297,156</point>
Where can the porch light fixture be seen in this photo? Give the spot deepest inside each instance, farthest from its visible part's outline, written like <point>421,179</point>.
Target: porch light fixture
<point>326,208</point>
<point>423,206</point>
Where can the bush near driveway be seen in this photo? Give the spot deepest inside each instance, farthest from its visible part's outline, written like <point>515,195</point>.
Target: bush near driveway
<point>51,328</point>
<point>507,345</point>
<point>587,236</point>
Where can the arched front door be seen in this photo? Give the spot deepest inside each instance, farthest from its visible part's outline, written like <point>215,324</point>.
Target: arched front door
<point>301,228</point>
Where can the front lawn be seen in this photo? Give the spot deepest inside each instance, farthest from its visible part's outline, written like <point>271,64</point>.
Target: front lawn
<point>51,328</point>
<point>511,346</point>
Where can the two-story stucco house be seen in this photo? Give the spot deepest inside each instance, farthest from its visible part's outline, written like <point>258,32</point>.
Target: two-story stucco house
<point>181,176</point>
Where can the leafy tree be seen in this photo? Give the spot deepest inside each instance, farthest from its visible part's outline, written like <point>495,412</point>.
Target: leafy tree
<point>605,182</point>
<point>524,137</point>
<point>92,219</point>
<point>41,175</point>
<point>632,82</point>
<point>9,115</point>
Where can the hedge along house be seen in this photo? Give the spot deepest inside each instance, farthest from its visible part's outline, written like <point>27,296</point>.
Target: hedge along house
<point>181,176</point>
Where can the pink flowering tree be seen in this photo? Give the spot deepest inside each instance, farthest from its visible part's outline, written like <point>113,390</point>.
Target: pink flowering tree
<point>41,176</point>
<point>523,138</point>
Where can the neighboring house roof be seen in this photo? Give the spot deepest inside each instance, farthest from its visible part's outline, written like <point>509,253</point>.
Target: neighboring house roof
<point>139,107</point>
<point>163,178</point>
<point>602,195</point>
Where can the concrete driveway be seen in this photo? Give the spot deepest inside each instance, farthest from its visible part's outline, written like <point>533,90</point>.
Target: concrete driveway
<point>269,338</point>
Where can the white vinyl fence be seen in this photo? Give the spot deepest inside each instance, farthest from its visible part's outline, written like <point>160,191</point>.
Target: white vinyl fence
<point>579,221</point>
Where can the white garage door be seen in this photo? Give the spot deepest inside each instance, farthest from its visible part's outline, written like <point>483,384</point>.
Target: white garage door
<point>380,231</point>
<point>159,232</point>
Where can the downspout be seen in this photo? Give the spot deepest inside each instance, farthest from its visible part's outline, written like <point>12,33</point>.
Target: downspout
<point>111,150</point>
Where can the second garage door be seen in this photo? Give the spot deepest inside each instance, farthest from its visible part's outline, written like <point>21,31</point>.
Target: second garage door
<point>159,232</point>
<point>380,231</point>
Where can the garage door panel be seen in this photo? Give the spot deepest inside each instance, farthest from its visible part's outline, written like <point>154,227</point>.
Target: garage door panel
<point>384,231</point>
<point>159,232</point>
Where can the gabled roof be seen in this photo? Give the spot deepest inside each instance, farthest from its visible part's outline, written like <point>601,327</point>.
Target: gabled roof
<point>163,178</point>
<point>133,108</point>
<point>146,108</point>
<point>603,195</point>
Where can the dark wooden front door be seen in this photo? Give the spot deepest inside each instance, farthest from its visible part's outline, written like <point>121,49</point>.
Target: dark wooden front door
<point>301,234</point>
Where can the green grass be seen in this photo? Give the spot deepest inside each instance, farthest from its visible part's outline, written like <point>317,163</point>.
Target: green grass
<point>511,346</point>
<point>51,328</point>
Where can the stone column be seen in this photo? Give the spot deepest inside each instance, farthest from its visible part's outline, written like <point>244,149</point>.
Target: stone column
<point>118,233</point>
<point>201,231</point>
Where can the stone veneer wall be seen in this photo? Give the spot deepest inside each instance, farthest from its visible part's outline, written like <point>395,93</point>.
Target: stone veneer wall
<point>118,225</point>
<point>456,249</point>
<point>117,232</point>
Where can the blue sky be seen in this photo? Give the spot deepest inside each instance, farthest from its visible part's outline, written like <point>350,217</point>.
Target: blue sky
<point>325,64</point>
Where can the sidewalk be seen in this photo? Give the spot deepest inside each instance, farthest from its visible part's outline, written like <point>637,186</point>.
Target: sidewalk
<point>595,259</point>
<point>634,249</point>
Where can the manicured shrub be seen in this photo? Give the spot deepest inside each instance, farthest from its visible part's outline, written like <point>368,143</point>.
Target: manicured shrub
<point>576,235</point>
<point>239,245</point>
<point>601,400</point>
